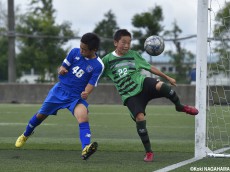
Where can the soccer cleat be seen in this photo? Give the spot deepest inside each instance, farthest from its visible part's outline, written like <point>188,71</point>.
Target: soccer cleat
<point>188,109</point>
<point>21,140</point>
<point>149,157</point>
<point>89,150</point>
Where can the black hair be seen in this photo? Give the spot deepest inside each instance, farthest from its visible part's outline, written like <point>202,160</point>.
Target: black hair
<point>121,32</point>
<point>92,40</point>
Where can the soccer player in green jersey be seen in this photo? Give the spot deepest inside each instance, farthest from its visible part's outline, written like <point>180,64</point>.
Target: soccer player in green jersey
<point>123,66</point>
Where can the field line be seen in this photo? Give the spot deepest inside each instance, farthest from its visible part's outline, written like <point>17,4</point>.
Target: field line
<point>177,165</point>
<point>93,125</point>
<point>19,124</point>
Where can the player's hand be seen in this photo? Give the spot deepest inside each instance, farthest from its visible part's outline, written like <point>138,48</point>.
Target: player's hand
<point>84,95</point>
<point>172,81</point>
<point>62,70</point>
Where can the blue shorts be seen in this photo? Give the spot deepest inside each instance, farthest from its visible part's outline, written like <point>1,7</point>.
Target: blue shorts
<point>60,98</point>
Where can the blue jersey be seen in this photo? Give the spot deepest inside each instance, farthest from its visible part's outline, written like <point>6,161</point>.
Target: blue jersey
<point>67,92</point>
<point>81,71</point>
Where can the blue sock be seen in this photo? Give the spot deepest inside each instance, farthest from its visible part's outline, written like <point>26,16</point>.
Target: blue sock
<point>85,134</point>
<point>34,122</point>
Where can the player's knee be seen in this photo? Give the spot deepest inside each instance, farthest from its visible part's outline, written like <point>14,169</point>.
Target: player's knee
<point>140,117</point>
<point>82,118</point>
<point>41,116</point>
<point>158,86</point>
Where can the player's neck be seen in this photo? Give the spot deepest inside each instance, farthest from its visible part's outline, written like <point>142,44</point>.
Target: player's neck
<point>118,53</point>
<point>92,56</point>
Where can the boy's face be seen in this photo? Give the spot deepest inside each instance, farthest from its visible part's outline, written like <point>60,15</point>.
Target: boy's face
<point>84,49</point>
<point>123,45</point>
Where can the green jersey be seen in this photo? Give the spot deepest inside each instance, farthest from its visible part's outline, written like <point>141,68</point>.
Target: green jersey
<point>125,72</point>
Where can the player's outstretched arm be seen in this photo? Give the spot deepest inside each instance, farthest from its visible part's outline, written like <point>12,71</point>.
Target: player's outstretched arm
<point>155,71</point>
<point>62,70</point>
<point>88,89</point>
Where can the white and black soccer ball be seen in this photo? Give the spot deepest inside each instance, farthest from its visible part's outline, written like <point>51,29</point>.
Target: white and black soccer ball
<point>154,45</point>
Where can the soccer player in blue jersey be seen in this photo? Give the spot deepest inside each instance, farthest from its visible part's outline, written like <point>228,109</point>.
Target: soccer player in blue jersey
<point>78,75</point>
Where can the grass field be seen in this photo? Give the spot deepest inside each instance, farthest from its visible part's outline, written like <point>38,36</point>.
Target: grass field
<point>55,144</point>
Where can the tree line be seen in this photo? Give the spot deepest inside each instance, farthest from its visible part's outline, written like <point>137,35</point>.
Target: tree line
<point>40,40</point>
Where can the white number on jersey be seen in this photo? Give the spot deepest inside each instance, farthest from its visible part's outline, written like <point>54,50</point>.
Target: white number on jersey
<point>122,72</point>
<point>78,72</point>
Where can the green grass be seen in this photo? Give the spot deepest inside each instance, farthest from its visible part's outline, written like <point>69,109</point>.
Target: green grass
<point>55,144</point>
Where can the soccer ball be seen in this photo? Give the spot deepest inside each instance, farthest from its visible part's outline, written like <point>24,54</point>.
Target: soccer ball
<point>154,45</point>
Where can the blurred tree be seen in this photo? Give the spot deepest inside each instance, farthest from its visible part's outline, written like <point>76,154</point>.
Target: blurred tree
<point>221,33</point>
<point>45,53</point>
<point>105,29</point>
<point>148,24</point>
<point>3,57</point>
<point>182,59</point>
<point>3,44</point>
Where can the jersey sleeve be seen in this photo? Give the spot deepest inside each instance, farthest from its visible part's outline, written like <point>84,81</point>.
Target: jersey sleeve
<point>142,63</point>
<point>68,60</point>
<point>96,75</point>
<point>105,61</point>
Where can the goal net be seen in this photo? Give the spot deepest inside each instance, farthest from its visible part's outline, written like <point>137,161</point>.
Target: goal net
<point>213,138</point>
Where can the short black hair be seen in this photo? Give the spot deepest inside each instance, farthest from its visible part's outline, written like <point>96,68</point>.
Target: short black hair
<point>92,40</point>
<point>121,32</point>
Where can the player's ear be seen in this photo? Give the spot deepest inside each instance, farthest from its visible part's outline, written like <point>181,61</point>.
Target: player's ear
<point>115,43</point>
